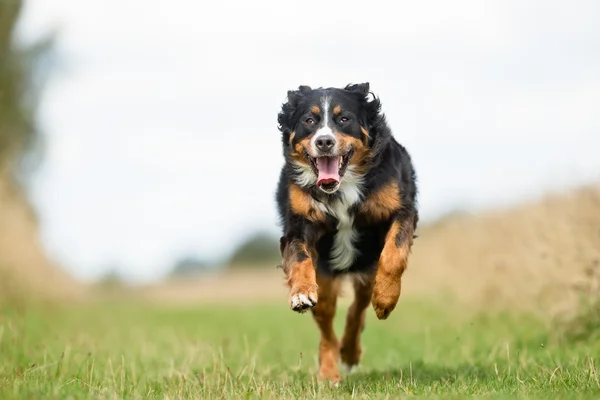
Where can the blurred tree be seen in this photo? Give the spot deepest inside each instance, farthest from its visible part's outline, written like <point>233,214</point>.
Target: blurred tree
<point>111,279</point>
<point>260,249</point>
<point>23,72</point>
<point>189,266</point>
<point>25,271</point>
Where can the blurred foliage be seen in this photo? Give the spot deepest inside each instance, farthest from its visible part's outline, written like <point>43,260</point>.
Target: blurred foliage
<point>582,324</point>
<point>23,72</point>
<point>111,279</point>
<point>188,266</point>
<point>12,289</point>
<point>259,250</point>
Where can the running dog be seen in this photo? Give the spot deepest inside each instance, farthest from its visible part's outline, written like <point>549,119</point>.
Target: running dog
<point>346,198</point>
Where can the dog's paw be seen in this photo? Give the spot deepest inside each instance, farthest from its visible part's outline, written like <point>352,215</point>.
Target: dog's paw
<point>303,299</point>
<point>333,378</point>
<point>350,357</point>
<point>386,293</point>
<point>385,302</point>
<point>384,307</point>
<point>349,368</point>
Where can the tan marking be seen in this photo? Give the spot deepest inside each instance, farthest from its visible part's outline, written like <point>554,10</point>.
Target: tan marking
<point>299,149</point>
<point>323,314</point>
<point>366,136</point>
<point>351,350</point>
<point>302,283</point>
<point>300,275</point>
<point>361,152</point>
<point>337,110</point>
<point>302,204</point>
<point>315,109</point>
<point>392,264</point>
<point>382,204</point>
<point>292,137</point>
<point>364,131</point>
<point>301,146</point>
<point>291,254</point>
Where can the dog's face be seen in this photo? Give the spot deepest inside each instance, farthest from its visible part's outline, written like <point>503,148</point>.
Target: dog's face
<point>326,133</point>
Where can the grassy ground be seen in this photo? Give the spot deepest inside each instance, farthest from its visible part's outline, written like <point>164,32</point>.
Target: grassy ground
<point>266,351</point>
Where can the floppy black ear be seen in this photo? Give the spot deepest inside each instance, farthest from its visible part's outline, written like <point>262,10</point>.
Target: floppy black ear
<point>287,109</point>
<point>362,88</point>
<point>304,89</point>
<point>294,95</point>
<point>373,117</point>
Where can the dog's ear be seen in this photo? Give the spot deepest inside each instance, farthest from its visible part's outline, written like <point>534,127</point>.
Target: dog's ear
<point>282,243</point>
<point>285,116</point>
<point>372,107</point>
<point>362,88</point>
<point>293,96</point>
<point>304,89</point>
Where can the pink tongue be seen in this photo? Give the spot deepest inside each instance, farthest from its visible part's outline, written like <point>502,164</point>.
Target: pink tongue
<point>328,170</point>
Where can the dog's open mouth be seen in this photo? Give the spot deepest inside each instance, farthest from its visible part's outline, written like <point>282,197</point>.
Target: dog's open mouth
<point>330,170</point>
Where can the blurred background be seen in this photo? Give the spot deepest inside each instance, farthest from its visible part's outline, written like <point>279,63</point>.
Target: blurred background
<point>139,144</point>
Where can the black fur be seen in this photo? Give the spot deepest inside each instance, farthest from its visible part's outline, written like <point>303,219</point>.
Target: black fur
<point>387,161</point>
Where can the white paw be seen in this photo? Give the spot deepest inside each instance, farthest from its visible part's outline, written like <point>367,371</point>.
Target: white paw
<point>348,369</point>
<point>301,302</point>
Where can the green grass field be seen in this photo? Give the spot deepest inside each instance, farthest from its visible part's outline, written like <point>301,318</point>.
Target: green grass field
<point>266,351</point>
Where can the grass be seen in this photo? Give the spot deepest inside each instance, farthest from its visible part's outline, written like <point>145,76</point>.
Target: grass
<point>265,351</point>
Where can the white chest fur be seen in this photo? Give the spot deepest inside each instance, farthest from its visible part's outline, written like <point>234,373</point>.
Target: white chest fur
<point>343,251</point>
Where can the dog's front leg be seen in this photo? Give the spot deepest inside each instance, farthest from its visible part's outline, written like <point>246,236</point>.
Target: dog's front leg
<point>392,263</point>
<point>301,275</point>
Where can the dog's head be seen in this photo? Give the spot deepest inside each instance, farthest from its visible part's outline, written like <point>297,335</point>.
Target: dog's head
<point>328,133</point>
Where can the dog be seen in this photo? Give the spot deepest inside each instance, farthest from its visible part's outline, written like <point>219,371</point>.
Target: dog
<point>346,198</point>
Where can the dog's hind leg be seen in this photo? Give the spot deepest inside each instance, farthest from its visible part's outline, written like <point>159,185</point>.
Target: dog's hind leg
<point>351,350</point>
<point>323,313</point>
<point>392,264</point>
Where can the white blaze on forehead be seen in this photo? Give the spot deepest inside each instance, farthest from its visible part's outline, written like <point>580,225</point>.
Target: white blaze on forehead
<point>324,129</point>
<point>325,107</point>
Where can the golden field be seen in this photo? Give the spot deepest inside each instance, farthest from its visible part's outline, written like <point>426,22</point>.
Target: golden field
<point>536,256</point>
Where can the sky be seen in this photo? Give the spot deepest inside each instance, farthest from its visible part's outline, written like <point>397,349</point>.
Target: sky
<point>160,121</point>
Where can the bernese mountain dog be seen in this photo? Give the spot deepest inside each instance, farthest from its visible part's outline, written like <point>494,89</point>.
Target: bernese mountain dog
<point>347,202</point>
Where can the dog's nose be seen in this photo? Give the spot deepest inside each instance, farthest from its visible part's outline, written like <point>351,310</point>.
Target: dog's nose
<point>325,143</point>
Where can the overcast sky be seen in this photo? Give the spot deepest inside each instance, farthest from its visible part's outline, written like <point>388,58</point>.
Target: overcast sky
<point>161,121</point>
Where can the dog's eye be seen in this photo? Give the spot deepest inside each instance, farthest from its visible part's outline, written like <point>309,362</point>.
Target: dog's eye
<point>309,121</point>
<point>343,120</point>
